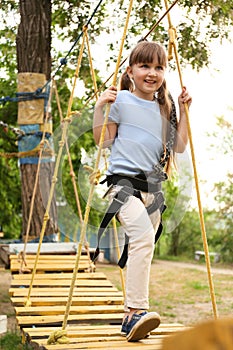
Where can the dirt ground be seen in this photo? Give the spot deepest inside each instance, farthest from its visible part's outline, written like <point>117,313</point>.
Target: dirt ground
<point>178,291</point>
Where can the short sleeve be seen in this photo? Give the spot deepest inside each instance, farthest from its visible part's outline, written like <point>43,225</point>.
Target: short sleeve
<point>114,114</point>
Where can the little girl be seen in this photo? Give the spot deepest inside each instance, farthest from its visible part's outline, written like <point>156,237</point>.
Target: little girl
<point>144,134</point>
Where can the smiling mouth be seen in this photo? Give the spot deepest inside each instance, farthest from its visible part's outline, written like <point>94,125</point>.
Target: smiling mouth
<point>150,81</point>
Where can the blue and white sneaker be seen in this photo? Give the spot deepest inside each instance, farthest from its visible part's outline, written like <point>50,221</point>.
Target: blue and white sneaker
<point>140,325</point>
<point>124,327</point>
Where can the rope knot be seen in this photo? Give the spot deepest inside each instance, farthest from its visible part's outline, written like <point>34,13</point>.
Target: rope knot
<point>59,337</point>
<point>172,38</point>
<point>94,174</point>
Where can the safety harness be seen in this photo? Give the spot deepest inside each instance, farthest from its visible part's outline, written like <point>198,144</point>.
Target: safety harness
<point>132,186</point>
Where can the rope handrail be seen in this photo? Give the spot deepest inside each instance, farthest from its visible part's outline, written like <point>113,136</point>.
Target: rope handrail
<point>91,191</point>
<point>41,146</point>
<point>62,142</point>
<point>73,180</point>
<point>173,45</point>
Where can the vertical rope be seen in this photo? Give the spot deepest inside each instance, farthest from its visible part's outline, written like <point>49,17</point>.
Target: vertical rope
<point>202,223</point>
<point>91,66</point>
<point>118,254</point>
<point>66,121</point>
<point>42,143</point>
<point>46,215</point>
<point>91,191</point>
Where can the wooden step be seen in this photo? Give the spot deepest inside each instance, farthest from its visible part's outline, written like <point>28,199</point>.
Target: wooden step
<point>96,330</point>
<point>48,263</point>
<point>100,337</point>
<point>28,321</point>
<point>76,301</point>
<point>64,291</point>
<point>61,283</point>
<point>61,275</point>
<point>74,310</point>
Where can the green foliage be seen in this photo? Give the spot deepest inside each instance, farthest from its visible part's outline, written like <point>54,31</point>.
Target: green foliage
<point>223,238</point>
<point>224,216</point>
<point>11,341</point>
<point>186,237</point>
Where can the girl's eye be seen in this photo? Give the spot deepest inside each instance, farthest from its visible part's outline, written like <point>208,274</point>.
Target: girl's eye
<point>159,67</point>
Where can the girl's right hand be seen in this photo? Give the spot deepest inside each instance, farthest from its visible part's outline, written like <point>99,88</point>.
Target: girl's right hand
<point>108,96</point>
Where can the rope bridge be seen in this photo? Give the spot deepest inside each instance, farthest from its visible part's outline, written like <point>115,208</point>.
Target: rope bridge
<point>60,312</point>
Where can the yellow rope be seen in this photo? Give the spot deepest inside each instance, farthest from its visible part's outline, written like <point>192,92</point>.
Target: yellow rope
<point>91,65</point>
<point>118,254</point>
<point>87,211</point>
<point>42,143</point>
<point>35,151</point>
<point>173,45</point>
<point>72,173</point>
<point>46,215</point>
<point>76,75</point>
<point>66,121</point>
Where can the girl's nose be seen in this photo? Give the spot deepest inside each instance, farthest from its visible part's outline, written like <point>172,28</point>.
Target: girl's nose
<point>152,71</point>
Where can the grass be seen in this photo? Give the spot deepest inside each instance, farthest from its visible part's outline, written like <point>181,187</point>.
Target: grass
<point>181,294</point>
<point>12,341</point>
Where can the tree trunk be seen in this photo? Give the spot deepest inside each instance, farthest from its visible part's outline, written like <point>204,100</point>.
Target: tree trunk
<point>33,56</point>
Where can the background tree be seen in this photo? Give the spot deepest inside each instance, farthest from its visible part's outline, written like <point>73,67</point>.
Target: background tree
<point>33,44</point>
<point>223,145</point>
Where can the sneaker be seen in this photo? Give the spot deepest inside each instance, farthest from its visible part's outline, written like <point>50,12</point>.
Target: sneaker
<point>141,324</point>
<point>124,327</point>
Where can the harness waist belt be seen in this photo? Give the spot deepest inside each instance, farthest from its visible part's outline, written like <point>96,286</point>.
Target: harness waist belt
<point>118,201</point>
<point>138,182</point>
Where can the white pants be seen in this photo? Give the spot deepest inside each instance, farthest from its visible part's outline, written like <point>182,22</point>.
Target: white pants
<point>140,228</point>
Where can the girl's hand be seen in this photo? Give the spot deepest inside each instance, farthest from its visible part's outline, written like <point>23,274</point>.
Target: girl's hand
<point>184,98</point>
<point>108,96</point>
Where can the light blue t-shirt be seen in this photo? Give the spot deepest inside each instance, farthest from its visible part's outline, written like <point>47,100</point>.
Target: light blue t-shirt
<point>138,144</point>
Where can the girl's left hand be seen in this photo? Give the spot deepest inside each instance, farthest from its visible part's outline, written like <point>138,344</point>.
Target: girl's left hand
<point>184,98</point>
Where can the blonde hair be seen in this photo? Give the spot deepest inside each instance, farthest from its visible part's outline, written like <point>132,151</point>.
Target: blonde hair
<point>145,52</point>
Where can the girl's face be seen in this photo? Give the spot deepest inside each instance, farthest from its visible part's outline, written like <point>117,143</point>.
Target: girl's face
<point>148,77</point>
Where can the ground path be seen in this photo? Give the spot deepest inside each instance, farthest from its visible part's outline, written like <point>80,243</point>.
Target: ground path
<point>178,264</point>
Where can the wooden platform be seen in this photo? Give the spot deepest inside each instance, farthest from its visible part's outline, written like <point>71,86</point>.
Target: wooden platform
<point>95,315</point>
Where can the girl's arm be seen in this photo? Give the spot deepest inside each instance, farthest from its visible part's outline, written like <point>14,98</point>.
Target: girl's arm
<point>108,96</point>
<point>182,130</point>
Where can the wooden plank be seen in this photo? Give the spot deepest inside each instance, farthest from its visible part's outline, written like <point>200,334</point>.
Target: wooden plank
<point>113,343</point>
<point>100,337</point>
<point>61,275</point>
<point>60,310</point>
<point>84,330</point>
<point>15,268</point>
<point>96,330</point>
<point>64,291</point>
<point>87,300</point>
<point>50,257</point>
<point>61,283</point>
<point>46,320</point>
